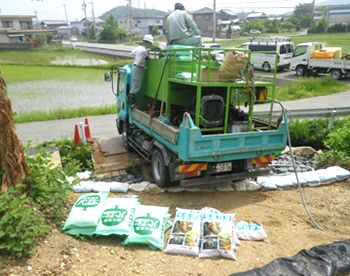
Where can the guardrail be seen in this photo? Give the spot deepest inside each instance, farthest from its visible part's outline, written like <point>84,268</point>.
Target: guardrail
<point>310,113</point>
<point>106,49</point>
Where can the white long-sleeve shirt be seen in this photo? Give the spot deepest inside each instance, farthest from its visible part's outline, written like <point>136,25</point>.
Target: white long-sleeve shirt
<point>140,53</point>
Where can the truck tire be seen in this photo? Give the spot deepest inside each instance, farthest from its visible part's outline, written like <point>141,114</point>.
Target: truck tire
<point>266,66</point>
<point>160,172</point>
<point>300,71</point>
<point>336,74</point>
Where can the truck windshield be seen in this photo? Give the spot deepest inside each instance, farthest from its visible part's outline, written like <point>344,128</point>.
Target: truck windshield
<point>300,50</point>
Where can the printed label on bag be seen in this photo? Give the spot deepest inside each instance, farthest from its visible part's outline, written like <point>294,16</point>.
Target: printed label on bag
<point>112,217</point>
<point>88,202</point>
<point>146,225</point>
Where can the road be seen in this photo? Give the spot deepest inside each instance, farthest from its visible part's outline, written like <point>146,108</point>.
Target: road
<point>100,126</point>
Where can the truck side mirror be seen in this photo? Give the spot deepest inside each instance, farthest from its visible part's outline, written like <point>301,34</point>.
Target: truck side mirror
<point>108,77</point>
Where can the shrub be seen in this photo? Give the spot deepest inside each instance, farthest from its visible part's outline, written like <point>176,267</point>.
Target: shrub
<point>21,224</point>
<point>49,187</point>
<point>338,145</point>
<point>309,132</point>
<point>75,158</point>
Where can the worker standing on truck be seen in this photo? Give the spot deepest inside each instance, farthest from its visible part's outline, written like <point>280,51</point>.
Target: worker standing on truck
<point>141,55</point>
<point>181,29</point>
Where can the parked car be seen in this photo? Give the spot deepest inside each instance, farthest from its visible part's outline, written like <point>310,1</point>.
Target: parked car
<point>255,31</point>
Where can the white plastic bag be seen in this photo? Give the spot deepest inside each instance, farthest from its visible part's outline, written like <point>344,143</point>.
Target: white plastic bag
<point>217,234</point>
<point>250,231</point>
<point>185,233</point>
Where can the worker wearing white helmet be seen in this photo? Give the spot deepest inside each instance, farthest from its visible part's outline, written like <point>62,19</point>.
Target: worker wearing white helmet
<point>141,55</point>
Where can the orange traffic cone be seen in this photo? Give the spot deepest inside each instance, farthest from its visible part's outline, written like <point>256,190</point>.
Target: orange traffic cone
<point>77,139</point>
<point>87,131</point>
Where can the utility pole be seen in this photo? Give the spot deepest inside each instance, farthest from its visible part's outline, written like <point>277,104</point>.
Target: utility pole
<point>93,12</point>
<point>65,12</point>
<point>85,23</point>
<point>36,18</point>
<point>214,20</point>
<point>130,16</point>
<point>313,9</point>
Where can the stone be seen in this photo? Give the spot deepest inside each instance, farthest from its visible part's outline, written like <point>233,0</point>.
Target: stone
<point>176,189</point>
<point>139,187</point>
<point>224,187</point>
<point>193,189</point>
<point>208,188</point>
<point>251,185</point>
<point>240,186</point>
<point>154,189</point>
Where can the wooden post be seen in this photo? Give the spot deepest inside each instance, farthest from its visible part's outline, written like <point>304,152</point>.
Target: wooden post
<point>11,151</point>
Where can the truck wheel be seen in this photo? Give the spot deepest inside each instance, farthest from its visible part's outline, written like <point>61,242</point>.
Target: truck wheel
<point>336,74</point>
<point>125,135</point>
<point>266,66</point>
<point>300,70</point>
<point>160,172</point>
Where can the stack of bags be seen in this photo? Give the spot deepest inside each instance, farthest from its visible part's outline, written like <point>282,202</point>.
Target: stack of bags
<point>208,233</point>
<point>96,214</point>
<point>205,233</point>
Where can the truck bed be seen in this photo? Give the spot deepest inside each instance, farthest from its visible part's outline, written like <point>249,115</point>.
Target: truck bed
<point>192,146</point>
<point>330,63</point>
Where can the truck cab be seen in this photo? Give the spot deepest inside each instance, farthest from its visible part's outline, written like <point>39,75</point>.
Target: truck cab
<point>194,119</point>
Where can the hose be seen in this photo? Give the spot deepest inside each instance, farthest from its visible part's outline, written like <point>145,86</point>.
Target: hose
<point>301,192</point>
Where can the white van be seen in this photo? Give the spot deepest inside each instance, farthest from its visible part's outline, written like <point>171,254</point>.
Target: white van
<point>266,61</point>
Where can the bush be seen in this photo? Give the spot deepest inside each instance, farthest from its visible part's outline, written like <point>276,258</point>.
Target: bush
<point>309,133</point>
<point>75,158</point>
<point>21,225</point>
<point>49,187</point>
<point>338,145</point>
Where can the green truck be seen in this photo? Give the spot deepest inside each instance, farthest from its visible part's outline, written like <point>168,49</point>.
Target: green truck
<point>194,121</point>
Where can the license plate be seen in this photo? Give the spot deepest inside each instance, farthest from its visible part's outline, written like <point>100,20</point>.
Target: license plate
<point>223,167</point>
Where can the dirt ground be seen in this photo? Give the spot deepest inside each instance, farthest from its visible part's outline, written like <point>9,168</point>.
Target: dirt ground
<point>280,212</point>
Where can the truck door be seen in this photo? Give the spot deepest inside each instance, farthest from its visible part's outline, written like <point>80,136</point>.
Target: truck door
<point>300,56</point>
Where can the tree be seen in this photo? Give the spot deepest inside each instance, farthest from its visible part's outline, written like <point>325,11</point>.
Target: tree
<point>92,34</point>
<point>154,30</point>
<point>12,159</point>
<point>110,31</point>
<point>319,27</point>
<point>303,15</point>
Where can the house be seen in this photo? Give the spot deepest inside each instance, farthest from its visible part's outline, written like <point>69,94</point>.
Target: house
<point>256,16</point>
<point>52,24</point>
<point>16,30</point>
<point>145,24</point>
<point>78,27</point>
<point>338,14</point>
<point>16,22</point>
<point>142,24</point>
<point>204,20</point>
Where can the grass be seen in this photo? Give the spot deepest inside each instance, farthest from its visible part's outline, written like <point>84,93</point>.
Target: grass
<point>335,40</point>
<point>309,87</point>
<point>64,114</point>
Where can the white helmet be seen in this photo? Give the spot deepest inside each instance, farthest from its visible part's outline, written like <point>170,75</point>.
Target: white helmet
<point>148,38</point>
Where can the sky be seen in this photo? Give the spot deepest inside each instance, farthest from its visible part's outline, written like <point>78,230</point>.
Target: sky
<point>55,9</point>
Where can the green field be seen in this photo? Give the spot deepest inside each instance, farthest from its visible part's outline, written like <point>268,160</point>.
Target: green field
<point>46,55</point>
<point>21,73</point>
